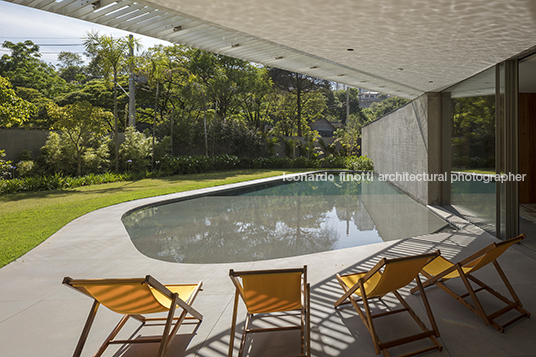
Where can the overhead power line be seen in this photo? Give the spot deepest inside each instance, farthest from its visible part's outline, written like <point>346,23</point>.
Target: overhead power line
<point>58,44</point>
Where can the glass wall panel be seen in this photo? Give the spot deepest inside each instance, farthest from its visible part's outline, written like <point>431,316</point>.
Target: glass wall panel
<point>500,152</point>
<point>473,149</point>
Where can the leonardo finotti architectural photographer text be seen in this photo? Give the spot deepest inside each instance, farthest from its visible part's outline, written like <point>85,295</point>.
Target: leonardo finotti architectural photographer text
<point>405,176</point>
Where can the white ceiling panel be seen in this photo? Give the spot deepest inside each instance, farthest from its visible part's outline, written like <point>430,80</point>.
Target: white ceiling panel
<point>404,48</point>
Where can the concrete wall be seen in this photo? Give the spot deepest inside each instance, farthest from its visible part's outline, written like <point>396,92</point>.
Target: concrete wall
<point>13,141</point>
<point>409,141</point>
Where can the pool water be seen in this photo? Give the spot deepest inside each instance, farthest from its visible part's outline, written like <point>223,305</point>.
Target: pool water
<point>277,220</point>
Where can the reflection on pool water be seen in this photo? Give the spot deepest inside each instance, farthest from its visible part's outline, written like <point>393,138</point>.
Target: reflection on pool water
<point>277,220</point>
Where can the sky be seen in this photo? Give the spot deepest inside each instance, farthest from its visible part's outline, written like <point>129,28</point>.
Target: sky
<point>54,33</point>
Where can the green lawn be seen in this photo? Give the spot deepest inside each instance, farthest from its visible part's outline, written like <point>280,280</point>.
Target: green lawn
<point>29,218</point>
<point>477,171</point>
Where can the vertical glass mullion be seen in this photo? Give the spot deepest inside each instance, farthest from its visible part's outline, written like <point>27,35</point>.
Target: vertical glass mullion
<point>500,151</point>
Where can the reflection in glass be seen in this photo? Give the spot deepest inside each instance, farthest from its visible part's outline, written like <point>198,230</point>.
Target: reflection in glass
<point>278,221</point>
<point>473,149</point>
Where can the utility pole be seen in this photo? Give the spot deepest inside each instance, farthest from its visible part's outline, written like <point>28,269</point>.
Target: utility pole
<point>347,104</point>
<point>131,87</point>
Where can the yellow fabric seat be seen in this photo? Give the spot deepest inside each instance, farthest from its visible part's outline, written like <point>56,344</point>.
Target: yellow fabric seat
<point>135,298</point>
<point>388,276</point>
<point>272,291</point>
<point>440,270</point>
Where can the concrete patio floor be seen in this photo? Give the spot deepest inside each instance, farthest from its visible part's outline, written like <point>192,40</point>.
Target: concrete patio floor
<point>41,317</point>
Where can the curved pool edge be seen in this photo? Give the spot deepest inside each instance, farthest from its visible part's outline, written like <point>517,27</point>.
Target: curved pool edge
<point>97,245</point>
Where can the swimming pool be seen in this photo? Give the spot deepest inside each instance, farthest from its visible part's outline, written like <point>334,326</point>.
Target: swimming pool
<point>279,219</point>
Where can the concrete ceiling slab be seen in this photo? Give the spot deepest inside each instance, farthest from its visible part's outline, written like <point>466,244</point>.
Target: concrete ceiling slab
<point>403,48</point>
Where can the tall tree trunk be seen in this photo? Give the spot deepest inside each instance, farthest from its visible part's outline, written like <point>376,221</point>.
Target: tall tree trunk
<point>298,99</point>
<point>79,162</point>
<point>171,130</point>
<point>154,121</point>
<point>116,129</point>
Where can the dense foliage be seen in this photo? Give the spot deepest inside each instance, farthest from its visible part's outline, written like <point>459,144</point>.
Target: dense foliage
<point>171,165</point>
<point>188,103</point>
<point>473,132</point>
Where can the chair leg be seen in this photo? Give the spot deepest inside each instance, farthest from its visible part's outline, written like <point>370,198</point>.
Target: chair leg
<point>308,317</point>
<point>87,327</point>
<point>233,325</point>
<point>479,309</point>
<point>243,341</point>
<point>372,331</point>
<point>427,306</point>
<point>114,333</point>
<point>507,283</point>
<point>510,305</point>
<point>169,322</point>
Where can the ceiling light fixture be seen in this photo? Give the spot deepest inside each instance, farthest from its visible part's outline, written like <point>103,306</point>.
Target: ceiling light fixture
<point>234,45</point>
<point>350,50</point>
<point>278,57</point>
<point>400,69</point>
<point>177,28</point>
<point>313,67</point>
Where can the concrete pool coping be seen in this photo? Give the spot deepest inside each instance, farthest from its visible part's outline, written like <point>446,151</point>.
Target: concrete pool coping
<point>40,317</point>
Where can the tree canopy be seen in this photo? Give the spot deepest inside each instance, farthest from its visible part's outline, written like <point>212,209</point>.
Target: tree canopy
<point>24,68</point>
<point>13,109</point>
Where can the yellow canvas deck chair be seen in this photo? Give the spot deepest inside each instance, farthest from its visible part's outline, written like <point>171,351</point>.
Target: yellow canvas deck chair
<point>440,270</point>
<point>388,276</point>
<point>272,291</point>
<point>134,298</point>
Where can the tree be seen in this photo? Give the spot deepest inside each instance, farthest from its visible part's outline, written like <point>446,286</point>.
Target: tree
<point>81,123</point>
<point>13,109</point>
<point>380,109</point>
<point>111,55</point>
<point>288,111</point>
<point>337,106</point>
<point>24,68</point>
<point>348,135</point>
<point>258,99</point>
<point>71,67</point>
<point>473,132</point>
<point>298,84</point>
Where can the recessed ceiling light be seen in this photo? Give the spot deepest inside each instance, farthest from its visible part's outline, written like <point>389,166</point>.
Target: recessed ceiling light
<point>400,69</point>
<point>430,81</point>
<point>177,28</point>
<point>235,45</point>
<point>350,49</point>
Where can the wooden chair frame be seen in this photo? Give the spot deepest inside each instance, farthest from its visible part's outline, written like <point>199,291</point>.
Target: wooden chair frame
<point>305,323</point>
<point>466,276</point>
<point>368,318</point>
<point>170,330</point>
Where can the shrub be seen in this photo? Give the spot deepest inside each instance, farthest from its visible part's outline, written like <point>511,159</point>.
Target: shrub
<point>57,182</point>
<point>96,160</point>
<point>58,155</point>
<point>135,151</point>
<point>25,168</point>
<point>359,163</point>
<point>334,162</point>
<point>24,155</point>
<point>5,166</point>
